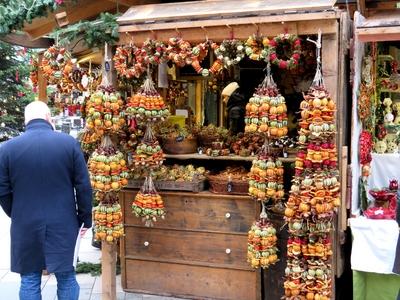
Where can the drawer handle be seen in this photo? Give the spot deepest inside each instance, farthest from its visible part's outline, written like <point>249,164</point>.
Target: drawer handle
<point>227,215</point>
<point>228,251</point>
<point>146,243</point>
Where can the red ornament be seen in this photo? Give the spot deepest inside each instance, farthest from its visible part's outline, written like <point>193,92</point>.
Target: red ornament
<point>393,185</point>
<point>283,64</point>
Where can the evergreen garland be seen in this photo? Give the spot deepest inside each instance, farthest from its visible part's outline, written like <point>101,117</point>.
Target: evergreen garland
<point>14,13</point>
<point>93,33</point>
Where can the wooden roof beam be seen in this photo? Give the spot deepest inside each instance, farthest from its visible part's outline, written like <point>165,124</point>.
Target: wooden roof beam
<point>129,3</point>
<point>81,11</point>
<point>23,40</point>
<point>379,34</point>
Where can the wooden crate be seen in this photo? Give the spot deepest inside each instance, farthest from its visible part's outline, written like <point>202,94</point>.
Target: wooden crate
<point>197,252</point>
<point>170,185</point>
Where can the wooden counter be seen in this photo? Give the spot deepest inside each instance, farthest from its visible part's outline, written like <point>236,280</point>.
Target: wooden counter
<point>198,251</point>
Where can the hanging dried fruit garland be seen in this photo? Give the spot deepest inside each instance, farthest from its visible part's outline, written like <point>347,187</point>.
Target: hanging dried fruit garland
<point>266,177</point>
<point>108,174</point>
<point>230,52</point>
<point>365,149</point>
<point>261,244</point>
<point>56,64</point>
<point>126,63</point>
<point>147,105</point>
<point>105,113</point>
<point>108,225</point>
<point>34,71</point>
<point>179,51</point>
<point>199,53</point>
<point>266,111</point>
<point>148,153</point>
<point>107,168</point>
<point>256,47</point>
<point>148,204</point>
<point>312,202</point>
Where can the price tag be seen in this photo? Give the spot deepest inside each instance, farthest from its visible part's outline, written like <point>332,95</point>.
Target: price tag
<point>229,187</point>
<point>107,66</point>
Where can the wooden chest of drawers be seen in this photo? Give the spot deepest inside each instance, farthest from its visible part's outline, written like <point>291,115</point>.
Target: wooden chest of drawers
<point>197,252</point>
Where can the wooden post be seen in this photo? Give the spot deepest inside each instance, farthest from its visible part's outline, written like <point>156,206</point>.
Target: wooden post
<point>108,271</point>
<point>42,83</point>
<point>108,251</point>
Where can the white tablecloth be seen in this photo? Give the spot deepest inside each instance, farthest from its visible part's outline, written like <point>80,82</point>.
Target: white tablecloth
<point>384,167</point>
<point>374,245</point>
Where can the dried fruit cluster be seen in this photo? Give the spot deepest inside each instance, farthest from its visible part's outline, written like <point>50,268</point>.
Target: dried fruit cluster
<point>108,170</point>
<point>148,204</point>
<point>266,112</point>
<point>312,202</point>
<point>266,177</point>
<point>147,104</point>
<point>108,220</point>
<point>261,244</point>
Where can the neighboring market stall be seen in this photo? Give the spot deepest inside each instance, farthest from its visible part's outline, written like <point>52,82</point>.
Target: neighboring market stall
<point>196,247</point>
<point>375,155</point>
<point>192,220</point>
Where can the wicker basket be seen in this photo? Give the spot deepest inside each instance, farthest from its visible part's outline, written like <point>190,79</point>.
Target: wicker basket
<point>220,185</point>
<point>178,146</point>
<point>194,186</point>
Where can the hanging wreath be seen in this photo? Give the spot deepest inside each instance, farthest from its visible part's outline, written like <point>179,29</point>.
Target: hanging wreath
<point>56,64</point>
<point>34,71</point>
<point>199,52</point>
<point>126,64</point>
<point>179,51</point>
<point>295,45</point>
<point>255,47</point>
<point>230,52</point>
<point>152,52</point>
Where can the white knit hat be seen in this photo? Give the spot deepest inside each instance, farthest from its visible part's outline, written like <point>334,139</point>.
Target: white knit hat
<point>229,89</point>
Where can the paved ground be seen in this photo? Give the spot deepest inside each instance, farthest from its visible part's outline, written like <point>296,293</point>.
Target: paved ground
<point>90,286</point>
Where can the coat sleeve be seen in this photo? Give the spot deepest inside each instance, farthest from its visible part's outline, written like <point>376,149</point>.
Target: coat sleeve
<point>83,188</point>
<point>5,185</point>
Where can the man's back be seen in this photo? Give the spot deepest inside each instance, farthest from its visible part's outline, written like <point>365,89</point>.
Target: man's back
<point>43,169</point>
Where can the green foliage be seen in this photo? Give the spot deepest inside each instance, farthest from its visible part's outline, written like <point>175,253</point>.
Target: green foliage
<point>93,269</point>
<point>13,13</point>
<point>15,92</point>
<point>93,33</point>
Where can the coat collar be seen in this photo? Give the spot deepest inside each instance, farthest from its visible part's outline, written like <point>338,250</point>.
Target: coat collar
<point>38,124</point>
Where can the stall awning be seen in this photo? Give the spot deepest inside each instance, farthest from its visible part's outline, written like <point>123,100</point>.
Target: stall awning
<point>219,15</point>
<point>382,26</point>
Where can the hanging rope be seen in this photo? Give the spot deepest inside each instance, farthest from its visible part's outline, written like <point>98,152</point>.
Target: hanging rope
<point>318,79</point>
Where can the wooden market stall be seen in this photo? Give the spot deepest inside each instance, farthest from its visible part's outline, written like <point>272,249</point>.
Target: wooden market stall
<point>199,251</point>
<point>377,33</point>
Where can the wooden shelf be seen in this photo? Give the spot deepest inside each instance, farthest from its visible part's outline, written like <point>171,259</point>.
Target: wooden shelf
<point>227,157</point>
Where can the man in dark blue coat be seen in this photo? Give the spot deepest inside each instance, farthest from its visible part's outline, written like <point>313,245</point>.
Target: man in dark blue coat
<point>45,190</point>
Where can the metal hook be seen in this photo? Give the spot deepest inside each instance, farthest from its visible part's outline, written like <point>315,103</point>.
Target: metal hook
<point>258,29</point>
<point>154,34</point>
<point>178,32</point>
<point>130,36</point>
<point>231,32</point>
<point>205,32</point>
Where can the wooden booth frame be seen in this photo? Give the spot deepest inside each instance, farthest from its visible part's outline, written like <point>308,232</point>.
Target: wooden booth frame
<point>217,20</point>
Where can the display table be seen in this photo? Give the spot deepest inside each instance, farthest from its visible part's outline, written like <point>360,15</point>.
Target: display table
<point>373,259</point>
<point>384,167</point>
